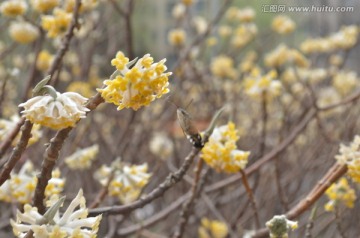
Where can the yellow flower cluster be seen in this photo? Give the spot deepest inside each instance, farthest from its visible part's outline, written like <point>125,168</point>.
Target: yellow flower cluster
<point>86,5</point>
<point>223,66</point>
<point>21,186</point>
<point>56,24</point>
<point>138,86</point>
<point>329,96</point>
<point>6,126</point>
<point>127,182</point>
<point>312,75</point>
<point>256,85</point>
<point>283,25</point>
<point>187,2</point>
<point>13,8</point>
<point>23,32</point>
<point>345,82</point>
<point>83,88</point>
<point>72,223</point>
<point>82,159</point>
<point>221,152</point>
<point>224,31</point>
<point>44,60</point>
<point>344,39</point>
<point>248,63</point>
<point>245,15</point>
<point>243,35</point>
<point>350,155</point>
<point>282,55</point>
<point>212,229</point>
<point>178,11</point>
<point>44,6</point>
<point>177,37</point>
<point>340,192</point>
<point>200,24</point>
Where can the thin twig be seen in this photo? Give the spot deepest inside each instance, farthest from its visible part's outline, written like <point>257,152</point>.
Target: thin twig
<point>103,193</point>
<point>66,41</point>
<point>283,199</point>
<point>185,54</point>
<point>186,211</point>
<point>33,71</point>
<point>310,223</point>
<point>338,222</point>
<point>264,116</point>
<point>251,198</point>
<point>156,218</point>
<point>3,94</point>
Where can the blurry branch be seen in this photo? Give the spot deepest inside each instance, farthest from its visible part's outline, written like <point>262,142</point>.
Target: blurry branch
<point>18,150</point>
<point>3,93</point>
<point>155,218</point>
<point>189,204</point>
<point>264,115</point>
<point>116,6</point>
<point>8,50</point>
<point>310,223</point>
<point>103,192</point>
<point>350,99</point>
<point>251,198</point>
<point>333,174</point>
<point>283,199</point>
<point>200,38</point>
<point>33,70</point>
<point>66,41</point>
<point>11,136</point>
<point>125,134</point>
<point>338,222</point>
<point>126,14</point>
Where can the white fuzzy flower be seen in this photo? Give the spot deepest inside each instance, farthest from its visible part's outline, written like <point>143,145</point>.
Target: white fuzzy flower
<point>23,32</point>
<point>72,223</point>
<point>57,113</point>
<point>178,11</point>
<point>7,126</point>
<point>82,159</point>
<point>21,186</point>
<point>200,25</point>
<point>161,145</point>
<point>127,182</point>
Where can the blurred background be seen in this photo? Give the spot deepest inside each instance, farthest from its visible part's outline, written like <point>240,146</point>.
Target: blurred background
<point>271,74</point>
